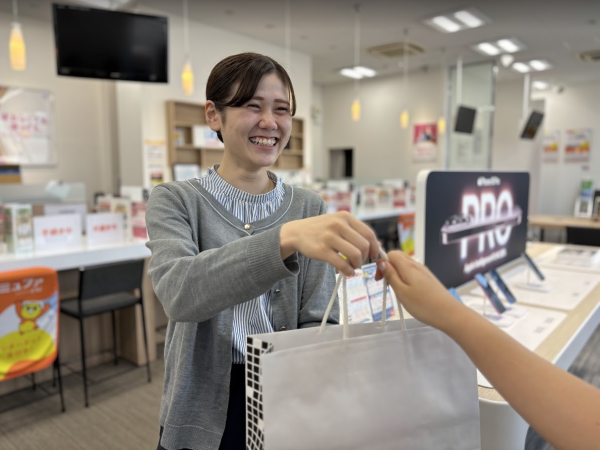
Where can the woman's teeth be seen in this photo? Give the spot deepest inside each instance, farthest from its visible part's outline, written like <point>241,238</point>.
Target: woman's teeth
<point>269,142</point>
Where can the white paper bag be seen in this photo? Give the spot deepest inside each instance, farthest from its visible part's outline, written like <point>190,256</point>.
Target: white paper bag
<point>366,386</point>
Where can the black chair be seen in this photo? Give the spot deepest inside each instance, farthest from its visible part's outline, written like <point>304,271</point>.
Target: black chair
<point>107,288</point>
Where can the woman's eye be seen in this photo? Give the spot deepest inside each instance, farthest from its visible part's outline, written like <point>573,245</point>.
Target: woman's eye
<point>253,105</point>
<point>282,109</point>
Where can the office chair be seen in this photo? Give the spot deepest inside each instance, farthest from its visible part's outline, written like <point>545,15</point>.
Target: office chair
<point>102,289</point>
<point>29,314</point>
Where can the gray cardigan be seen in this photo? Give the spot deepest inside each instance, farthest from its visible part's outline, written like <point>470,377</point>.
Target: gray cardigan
<point>204,261</point>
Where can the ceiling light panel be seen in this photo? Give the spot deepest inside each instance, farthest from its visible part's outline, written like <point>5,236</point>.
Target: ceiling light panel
<point>540,85</point>
<point>469,19</point>
<point>365,71</point>
<point>539,64</point>
<point>447,25</point>
<point>521,67</point>
<point>488,49</point>
<point>462,19</point>
<point>351,73</point>
<point>509,45</point>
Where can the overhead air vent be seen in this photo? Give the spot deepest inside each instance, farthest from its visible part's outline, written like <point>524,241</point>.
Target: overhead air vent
<point>395,50</point>
<point>591,56</point>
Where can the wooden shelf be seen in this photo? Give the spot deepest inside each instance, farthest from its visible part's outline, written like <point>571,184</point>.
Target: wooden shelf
<point>185,115</point>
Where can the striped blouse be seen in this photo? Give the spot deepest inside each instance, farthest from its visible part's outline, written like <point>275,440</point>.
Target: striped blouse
<point>254,316</point>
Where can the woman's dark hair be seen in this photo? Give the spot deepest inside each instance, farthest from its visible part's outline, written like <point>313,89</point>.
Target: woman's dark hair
<point>243,71</point>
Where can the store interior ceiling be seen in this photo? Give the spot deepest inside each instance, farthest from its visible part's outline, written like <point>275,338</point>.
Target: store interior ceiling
<point>552,30</point>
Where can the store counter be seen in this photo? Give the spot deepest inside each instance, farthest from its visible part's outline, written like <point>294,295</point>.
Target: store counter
<point>501,427</point>
<point>580,226</point>
<point>98,328</point>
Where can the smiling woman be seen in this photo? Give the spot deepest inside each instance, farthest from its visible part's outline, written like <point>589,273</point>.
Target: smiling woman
<point>237,253</point>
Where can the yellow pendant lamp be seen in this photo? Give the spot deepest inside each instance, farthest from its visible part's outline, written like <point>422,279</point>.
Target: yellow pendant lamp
<point>356,110</point>
<point>187,78</point>
<point>404,119</point>
<point>441,125</point>
<point>187,73</point>
<point>16,44</point>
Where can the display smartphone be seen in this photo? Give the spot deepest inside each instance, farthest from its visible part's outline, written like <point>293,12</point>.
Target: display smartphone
<point>502,286</point>
<point>533,266</point>
<point>455,294</point>
<point>489,293</point>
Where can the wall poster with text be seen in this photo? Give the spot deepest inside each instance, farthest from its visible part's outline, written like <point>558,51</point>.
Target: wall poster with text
<point>578,143</point>
<point>551,145</point>
<point>425,142</point>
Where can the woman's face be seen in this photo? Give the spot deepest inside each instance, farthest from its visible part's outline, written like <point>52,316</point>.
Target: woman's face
<point>256,132</point>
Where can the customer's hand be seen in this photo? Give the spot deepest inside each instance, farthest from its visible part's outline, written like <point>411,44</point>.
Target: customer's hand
<point>419,291</point>
<point>325,237</point>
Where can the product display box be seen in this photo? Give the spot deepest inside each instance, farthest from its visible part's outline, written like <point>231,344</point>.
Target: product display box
<point>18,223</point>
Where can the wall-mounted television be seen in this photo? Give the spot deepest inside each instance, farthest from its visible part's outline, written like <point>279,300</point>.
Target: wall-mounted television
<point>98,43</point>
<point>465,120</point>
<point>532,125</point>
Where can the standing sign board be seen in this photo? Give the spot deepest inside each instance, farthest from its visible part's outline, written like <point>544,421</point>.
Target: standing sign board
<point>470,222</point>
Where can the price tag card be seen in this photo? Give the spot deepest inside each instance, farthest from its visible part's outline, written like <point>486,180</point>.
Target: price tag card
<point>104,228</point>
<point>60,231</point>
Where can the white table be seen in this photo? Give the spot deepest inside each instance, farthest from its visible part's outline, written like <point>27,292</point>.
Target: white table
<point>75,257</point>
<point>501,427</point>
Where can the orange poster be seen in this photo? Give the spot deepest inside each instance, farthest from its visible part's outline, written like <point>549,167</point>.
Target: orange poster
<point>28,321</point>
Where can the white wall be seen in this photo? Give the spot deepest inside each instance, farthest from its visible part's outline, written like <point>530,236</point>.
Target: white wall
<point>319,151</point>
<point>83,108</point>
<point>381,148</point>
<point>577,107</point>
<point>509,152</point>
<point>99,140</point>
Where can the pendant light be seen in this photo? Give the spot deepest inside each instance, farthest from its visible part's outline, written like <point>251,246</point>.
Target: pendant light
<point>187,73</point>
<point>355,110</point>
<point>441,123</point>
<point>16,44</point>
<point>404,117</point>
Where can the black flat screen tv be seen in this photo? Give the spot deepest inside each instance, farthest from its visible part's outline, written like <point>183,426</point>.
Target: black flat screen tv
<point>532,125</point>
<point>98,43</point>
<point>465,120</point>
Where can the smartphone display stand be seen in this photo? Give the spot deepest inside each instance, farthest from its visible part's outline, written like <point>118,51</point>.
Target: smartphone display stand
<point>500,320</point>
<point>515,311</point>
<point>538,286</point>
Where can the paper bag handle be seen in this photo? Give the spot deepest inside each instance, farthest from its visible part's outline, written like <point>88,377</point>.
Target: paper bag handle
<point>342,279</point>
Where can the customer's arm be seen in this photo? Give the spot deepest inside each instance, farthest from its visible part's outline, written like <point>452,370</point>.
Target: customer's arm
<point>560,407</point>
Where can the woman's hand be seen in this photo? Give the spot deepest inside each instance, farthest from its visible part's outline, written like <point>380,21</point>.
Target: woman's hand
<point>325,237</point>
<point>419,291</point>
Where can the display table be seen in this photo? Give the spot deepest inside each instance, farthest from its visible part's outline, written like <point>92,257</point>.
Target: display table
<point>98,328</point>
<point>561,223</point>
<point>501,427</point>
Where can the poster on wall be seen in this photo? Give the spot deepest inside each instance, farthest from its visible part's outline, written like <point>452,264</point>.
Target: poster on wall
<point>551,145</point>
<point>155,155</point>
<point>26,127</point>
<point>425,142</point>
<point>470,222</point>
<point>577,145</point>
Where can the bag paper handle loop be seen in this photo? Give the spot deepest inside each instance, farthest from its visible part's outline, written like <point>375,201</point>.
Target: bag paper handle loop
<point>342,279</point>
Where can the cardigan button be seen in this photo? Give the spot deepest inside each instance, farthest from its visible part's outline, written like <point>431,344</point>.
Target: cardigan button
<point>277,291</point>
<point>246,227</point>
<point>282,329</point>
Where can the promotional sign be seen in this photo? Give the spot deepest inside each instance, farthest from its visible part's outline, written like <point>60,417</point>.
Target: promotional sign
<point>425,142</point>
<point>28,321</point>
<point>375,291</point>
<point>577,145</point>
<point>470,222</point>
<point>551,145</point>
<point>52,209</point>
<point>60,231</point>
<point>104,228</point>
